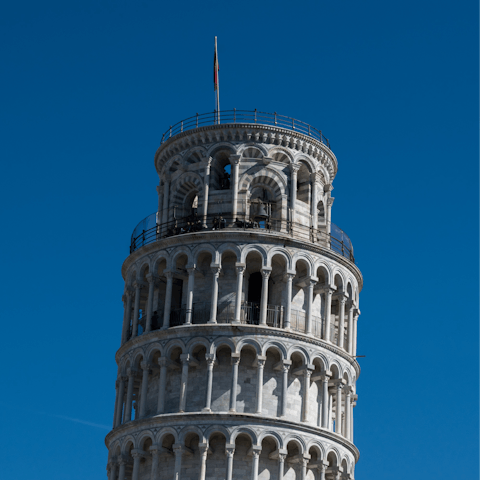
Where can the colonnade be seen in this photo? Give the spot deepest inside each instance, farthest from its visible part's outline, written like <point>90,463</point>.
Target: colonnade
<point>332,392</point>
<point>347,310</point>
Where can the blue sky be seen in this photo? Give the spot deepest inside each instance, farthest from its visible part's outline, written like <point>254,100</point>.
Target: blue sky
<point>87,88</point>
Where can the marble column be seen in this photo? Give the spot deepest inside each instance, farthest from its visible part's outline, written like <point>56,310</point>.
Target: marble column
<point>115,409</point>
<point>191,285</point>
<point>288,310</point>
<point>205,192</point>
<point>155,451</point>
<point>210,358</point>
<point>322,468</point>
<point>328,312</point>
<point>338,408</point>
<point>235,360</point>
<point>351,308</point>
<point>286,364</point>
<point>235,162</point>
<point>185,359</point>
<point>256,450</point>
<point>121,393</point>
<point>281,465</point>
<point>348,411</point>
<point>266,271</point>
<point>136,309</point>
<point>128,407</point>
<point>261,359</point>
<point>311,284</point>
<point>314,213</point>
<point>127,316</point>
<point>151,287</point>
<point>238,299</point>
<point>230,452</point>
<point>137,456</point>
<point>305,460</point>
<point>166,193</point>
<point>342,298</point>
<point>203,450</point>
<point>143,400</point>
<point>325,401</point>
<point>294,168</point>
<point>178,450</point>
<point>356,313</point>
<point>162,384</point>
<point>112,474</point>
<point>213,306</point>
<point>168,300</point>
<point>121,469</point>
<point>306,388</point>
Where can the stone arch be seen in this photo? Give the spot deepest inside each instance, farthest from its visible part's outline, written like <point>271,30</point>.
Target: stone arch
<point>279,347</point>
<point>255,151</point>
<point>282,252</point>
<point>157,260</point>
<point>300,351</point>
<point>300,256</point>
<point>219,146</point>
<point>333,456</point>
<point>131,275</point>
<point>308,162</point>
<point>144,435</point>
<point>339,279</point>
<point>205,248</point>
<point>254,248</point>
<point>220,342</point>
<point>318,447</point>
<point>198,153</point>
<point>325,271</point>
<point>195,342</point>
<point>264,176</point>
<point>281,154</point>
<point>129,439</point>
<point>213,429</point>
<point>190,429</point>
<point>296,439</point>
<point>138,357</point>
<point>246,431</point>
<point>164,431</point>
<point>271,434</point>
<point>182,250</point>
<point>175,343</point>
<point>322,359</point>
<point>248,342</point>
<point>152,349</point>
<point>229,247</point>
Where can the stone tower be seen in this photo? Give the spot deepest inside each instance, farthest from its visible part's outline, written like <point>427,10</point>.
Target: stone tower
<point>237,357</point>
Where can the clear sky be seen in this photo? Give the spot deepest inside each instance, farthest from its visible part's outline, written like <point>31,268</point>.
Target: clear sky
<point>88,87</point>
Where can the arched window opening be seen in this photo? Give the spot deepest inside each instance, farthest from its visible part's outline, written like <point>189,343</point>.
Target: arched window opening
<point>321,213</point>
<point>225,179</point>
<point>303,185</point>
<point>262,207</point>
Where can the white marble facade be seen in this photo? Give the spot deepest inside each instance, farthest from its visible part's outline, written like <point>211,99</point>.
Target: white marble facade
<point>238,344</point>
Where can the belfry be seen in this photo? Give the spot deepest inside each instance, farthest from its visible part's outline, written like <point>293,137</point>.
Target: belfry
<point>238,342</point>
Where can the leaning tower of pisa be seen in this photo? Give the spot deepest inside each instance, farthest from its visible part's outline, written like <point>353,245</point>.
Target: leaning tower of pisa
<point>237,356</point>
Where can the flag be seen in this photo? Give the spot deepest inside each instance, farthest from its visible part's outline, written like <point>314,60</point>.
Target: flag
<point>216,68</point>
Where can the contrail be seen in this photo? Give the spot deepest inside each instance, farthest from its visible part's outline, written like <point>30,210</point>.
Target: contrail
<point>78,420</point>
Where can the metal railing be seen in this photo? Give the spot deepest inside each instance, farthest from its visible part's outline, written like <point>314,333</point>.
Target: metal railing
<point>249,315</point>
<point>244,116</point>
<point>149,231</point>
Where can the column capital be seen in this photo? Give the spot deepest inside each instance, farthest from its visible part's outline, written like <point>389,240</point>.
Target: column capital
<point>138,284</point>
<point>230,450</point>
<point>203,447</point>
<point>191,269</point>
<point>356,313</point>
<point>178,448</point>
<point>312,281</point>
<point>122,460</point>
<point>255,450</point>
<point>240,268</point>
<point>235,359</point>
<point>129,292</point>
<point>137,453</point>
<point>163,361</point>
<point>210,358</point>
<point>289,275</point>
<point>260,361</point>
<point>155,450</point>
<point>266,271</point>
<point>234,159</point>
<point>168,274</point>
<point>329,289</point>
<point>294,168</point>
<point>316,177</point>
<point>131,372</point>
<point>151,278</point>
<point>145,366</point>
<point>215,267</point>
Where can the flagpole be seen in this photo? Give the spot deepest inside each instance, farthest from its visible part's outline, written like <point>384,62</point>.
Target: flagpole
<point>218,84</point>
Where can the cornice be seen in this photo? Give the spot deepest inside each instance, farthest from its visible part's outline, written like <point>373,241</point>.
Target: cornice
<point>222,330</point>
<point>241,235</point>
<point>229,420</point>
<point>246,132</point>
